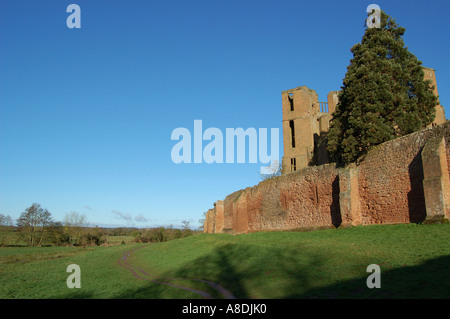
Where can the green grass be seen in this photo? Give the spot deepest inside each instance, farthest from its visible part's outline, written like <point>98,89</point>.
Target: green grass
<point>414,262</point>
<point>15,239</point>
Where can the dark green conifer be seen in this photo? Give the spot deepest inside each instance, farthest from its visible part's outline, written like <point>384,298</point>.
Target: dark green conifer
<point>384,94</point>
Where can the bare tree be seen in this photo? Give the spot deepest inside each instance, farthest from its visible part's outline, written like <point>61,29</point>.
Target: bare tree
<point>201,221</point>
<point>73,222</point>
<point>33,221</point>
<point>5,224</point>
<point>45,220</point>
<point>273,171</point>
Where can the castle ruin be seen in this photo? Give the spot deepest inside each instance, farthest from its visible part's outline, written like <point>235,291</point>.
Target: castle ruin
<point>405,180</point>
<point>306,122</point>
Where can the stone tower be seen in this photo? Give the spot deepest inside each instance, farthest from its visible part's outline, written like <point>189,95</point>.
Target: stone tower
<point>306,122</point>
<point>430,74</point>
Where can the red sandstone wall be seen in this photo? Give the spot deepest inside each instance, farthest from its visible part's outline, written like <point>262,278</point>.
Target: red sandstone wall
<point>391,179</point>
<point>306,198</point>
<point>310,198</point>
<point>386,187</point>
<point>209,222</point>
<point>390,184</point>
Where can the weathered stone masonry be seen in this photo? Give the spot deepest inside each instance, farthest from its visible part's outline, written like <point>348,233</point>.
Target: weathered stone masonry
<point>306,123</point>
<point>400,181</point>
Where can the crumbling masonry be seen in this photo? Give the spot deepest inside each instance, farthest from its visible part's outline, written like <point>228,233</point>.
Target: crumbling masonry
<point>401,181</point>
<point>306,122</point>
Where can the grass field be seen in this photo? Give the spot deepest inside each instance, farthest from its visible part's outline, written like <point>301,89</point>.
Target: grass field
<point>119,239</point>
<point>414,261</point>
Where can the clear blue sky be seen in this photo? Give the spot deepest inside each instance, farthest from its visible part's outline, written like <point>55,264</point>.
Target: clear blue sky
<point>86,115</point>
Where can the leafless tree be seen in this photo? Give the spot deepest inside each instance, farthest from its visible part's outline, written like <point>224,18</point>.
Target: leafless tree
<point>34,221</point>
<point>275,170</point>
<point>74,222</point>
<point>5,224</point>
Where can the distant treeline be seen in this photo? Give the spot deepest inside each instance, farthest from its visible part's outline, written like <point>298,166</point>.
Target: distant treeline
<point>161,234</point>
<point>36,227</point>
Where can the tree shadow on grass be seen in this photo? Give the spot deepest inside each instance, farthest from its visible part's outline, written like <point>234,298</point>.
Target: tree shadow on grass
<point>430,280</point>
<point>76,294</point>
<point>216,267</point>
<point>220,268</point>
<point>299,272</point>
<point>241,269</point>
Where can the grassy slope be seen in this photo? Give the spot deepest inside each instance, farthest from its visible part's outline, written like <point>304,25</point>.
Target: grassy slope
<point>414,263</point>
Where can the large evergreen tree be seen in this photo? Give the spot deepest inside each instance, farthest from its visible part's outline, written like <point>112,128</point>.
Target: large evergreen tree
<point>384,94</point>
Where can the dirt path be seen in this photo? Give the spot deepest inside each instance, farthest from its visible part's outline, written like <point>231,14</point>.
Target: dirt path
<point>141,274</point>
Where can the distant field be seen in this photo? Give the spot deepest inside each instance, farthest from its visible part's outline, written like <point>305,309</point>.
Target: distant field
<point>414,262</point>
<point>119,239</point>
<point>14,239</point>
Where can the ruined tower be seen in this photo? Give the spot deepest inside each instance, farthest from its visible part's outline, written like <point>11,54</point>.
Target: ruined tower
<point>430,74</point>
<point>388,187</point>
<point>306,122</point>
